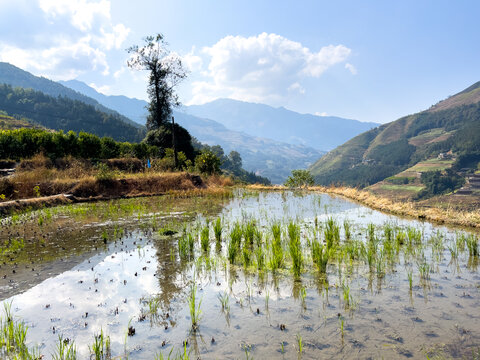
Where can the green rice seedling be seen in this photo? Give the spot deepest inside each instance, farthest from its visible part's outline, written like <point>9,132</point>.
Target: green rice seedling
<point>205,238</point>
<point>299,344</point>
<point>371,234</point>
<point>347,228</point>
<point>183,247</point>
<point>424,269</point>
<point>258,236</point>
<point>282,347</point>
<point>224,301</point>
<point>453,248</point>
<point>246,256</point>
<point>461,240</point>
<point>233,247</point>
<point>371,254</point>
<point>472,245</point>
<point>13,335</point>
<point>195,311</point>
<point>260,257</point>
<point>320,256</point>
<point>277,256</point>
<point>191,243</point>
<point>232,251</point>
<point>65,350</point>
<point>342,327</point>
<point>100,348</point>
<point>414,235</point>
<point>104,236</point>
<point>332,233</point>
<point>249,232</point>
<point>303,296</point>
<point>295,248</point>
<point>388,232</point>
<point>346,296</point>
<point>217,229</point>
<point>380,265</point>
<point>410,279</point>
<point>277,232</point>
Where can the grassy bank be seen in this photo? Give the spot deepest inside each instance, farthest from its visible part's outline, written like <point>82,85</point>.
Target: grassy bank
<point>42,187</point>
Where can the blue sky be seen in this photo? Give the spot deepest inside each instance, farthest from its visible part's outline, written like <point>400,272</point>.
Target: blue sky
<point>366,60</point>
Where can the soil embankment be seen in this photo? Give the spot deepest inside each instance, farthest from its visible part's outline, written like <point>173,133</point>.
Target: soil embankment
<point>63,192</point>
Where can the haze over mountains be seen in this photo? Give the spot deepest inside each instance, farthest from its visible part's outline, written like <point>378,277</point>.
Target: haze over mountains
<point>320,132</point>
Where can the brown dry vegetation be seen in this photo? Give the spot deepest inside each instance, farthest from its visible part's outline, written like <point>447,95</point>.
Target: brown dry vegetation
<point>41,181</point>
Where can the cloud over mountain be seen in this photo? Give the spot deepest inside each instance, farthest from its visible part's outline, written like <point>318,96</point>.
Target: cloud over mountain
<point>264,68</point>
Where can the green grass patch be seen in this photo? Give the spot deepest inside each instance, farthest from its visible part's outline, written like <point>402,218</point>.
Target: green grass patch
<point>400,187</point>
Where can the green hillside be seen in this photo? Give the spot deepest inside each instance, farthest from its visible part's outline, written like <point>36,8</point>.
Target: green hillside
<point>452,125</point>
<point>61,113</point>
<point>16,77</point>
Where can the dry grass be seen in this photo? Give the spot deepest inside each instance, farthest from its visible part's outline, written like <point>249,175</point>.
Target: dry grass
<point>447,215</point>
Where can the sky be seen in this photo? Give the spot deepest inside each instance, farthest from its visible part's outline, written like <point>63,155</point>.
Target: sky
<point>366,60</point>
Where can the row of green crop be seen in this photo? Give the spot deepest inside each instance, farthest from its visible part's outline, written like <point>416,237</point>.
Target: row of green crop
<point>25,143</point>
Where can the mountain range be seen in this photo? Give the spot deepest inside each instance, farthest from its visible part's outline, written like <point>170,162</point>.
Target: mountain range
<point>450,128</point>
<point>271,141</point>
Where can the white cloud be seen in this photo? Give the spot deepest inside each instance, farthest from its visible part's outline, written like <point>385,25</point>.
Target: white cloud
<point>105,89</point>
<point>321,113</point>
<point>62,38</point>
<point>264,68</point>
<point>351,68</point>
<point>192,62</point>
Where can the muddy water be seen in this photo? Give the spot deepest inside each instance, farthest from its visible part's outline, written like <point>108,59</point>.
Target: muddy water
<point>101,265</point>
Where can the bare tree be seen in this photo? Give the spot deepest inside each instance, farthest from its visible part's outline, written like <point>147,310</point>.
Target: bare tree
<point>166,72</point>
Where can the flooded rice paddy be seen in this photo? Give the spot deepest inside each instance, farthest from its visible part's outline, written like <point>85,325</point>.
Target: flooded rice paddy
<point>264,275</point>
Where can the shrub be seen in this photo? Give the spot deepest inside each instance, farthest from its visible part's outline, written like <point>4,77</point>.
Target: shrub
<point>207,163</point>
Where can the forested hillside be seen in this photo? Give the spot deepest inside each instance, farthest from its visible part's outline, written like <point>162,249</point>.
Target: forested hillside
<point>16,77</point>
<point>61,113</point>
<point>452,127</point>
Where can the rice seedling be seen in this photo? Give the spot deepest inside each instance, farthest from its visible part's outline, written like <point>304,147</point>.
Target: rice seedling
<point>342,327</point>
<point>303,296</point>
<point>13,335</point>
<point>217,230</point>
<point>195,311</point>
<point>277,256</point>
<point>246,256</point>
<point>249,232</point>
<point>100,349</point>
<point>295,248</point>
<point>410,279</point>
<point>371,234</point>
<point>299,344</point>
<point>235,242</point>
<point>224,301</point>
<point>65,350</point>
<point>424,269</point>
<point>414,235</point>
<point>331,233</point>
<point>472,245</point>
<point>320,256</point>
<point>260,257</point>
<point>205,238</point>
<point>346,296</point>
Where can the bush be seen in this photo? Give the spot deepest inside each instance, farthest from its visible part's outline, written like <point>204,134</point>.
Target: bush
<point>300,178</point>
<point>207,163</point>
